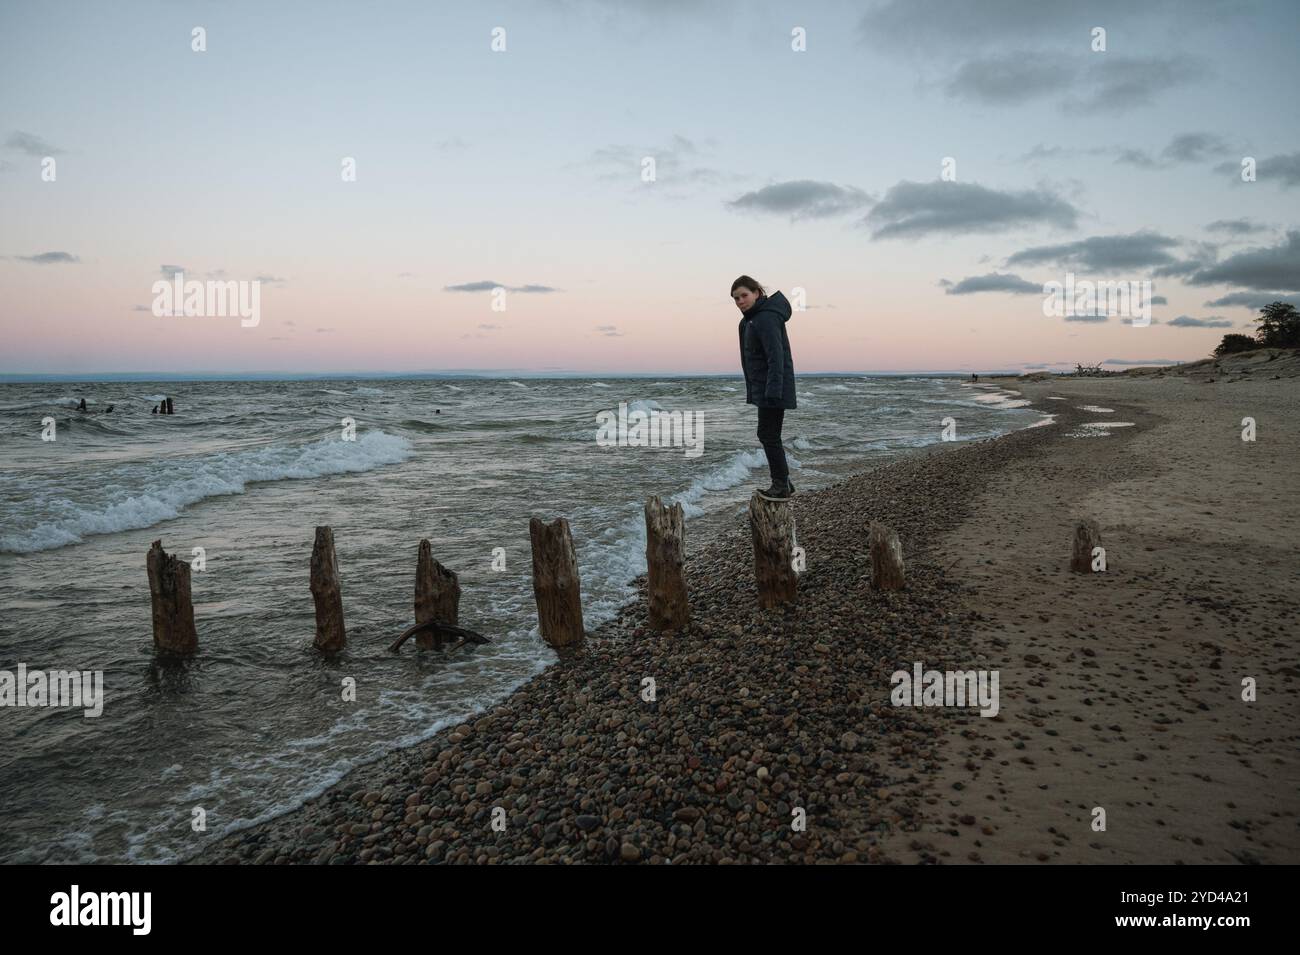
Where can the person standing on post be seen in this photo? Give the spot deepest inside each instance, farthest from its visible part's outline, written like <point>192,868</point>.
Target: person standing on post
<point>769,372</point>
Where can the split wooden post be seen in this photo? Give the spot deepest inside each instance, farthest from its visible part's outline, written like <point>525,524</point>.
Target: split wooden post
<point>437,596</point>
<point>1087,535</point>
<point>556,584</point>
<point>330,634</point>
<point>886,558</point>
<point>665,546</point>
<point>173,609</point>
<point>772,526</point>
<point>170,409</point>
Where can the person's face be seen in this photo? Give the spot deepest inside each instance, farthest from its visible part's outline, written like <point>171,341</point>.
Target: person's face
<point>744,298</point>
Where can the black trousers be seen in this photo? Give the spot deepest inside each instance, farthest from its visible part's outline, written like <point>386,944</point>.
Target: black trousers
<point>769,435</point>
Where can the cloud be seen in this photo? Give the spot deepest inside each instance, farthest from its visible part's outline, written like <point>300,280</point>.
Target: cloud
<point>1159,300</point>
<point>1251,300</point>
<point>142,308</point>
<point>487,326</point>
<point>1283,170</point>
<point>994,282</point>
<point>487,286</point>
<point>1116,83</point>
<point>913,209</point>
<point>803,199</point>
<point>167,271</point>
<point>267,279</point>
<point>1184,148</point>
<point>1091,83</point>
<point>49,258</point>
<point>1265,267</point>
<point>1235,226</point>
<point>1130,321</point>
<point>322,331</point>
<point>31,145</point>
<point>1103,252</point>
<point>1008,78</point>
<point>928,24</point>
<point>610,330</point>
<point>1193,147</point>
<point>676,164</point>
<point>1087,318</point>
<point>1186,321</point>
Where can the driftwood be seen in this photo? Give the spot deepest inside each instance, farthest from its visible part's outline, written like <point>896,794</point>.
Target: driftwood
<point>556,584</point>
<point>771,524</point>
<point>1087,535</point>
<point>886,558</point>
<point>173,609</point>
<point>665,530</point>
<point>330,633</point>
<point>439,632</point>
<point>437,596</point>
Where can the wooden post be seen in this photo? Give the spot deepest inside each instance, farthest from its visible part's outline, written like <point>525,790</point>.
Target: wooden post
<point>886,558</point>
<point>330,634</point>
<point>168,403</point>
<point>437,596</point>
<point>772,526</point>
<point>556,584</point>
<point>1087,535</point>
<point>173,610</point>
<point>665,544</point>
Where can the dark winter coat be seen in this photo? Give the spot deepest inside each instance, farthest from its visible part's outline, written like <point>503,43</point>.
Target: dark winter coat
<point>765,353</point>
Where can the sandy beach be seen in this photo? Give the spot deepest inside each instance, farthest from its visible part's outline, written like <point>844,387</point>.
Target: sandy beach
<point>1119,690</point>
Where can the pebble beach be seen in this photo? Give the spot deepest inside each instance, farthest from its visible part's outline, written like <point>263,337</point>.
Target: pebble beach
<point>1110,694</point>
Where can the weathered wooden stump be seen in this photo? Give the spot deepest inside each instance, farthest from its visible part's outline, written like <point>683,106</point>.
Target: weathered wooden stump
<point>556,584</point>
<point>1087,535</point>
<point>437,596</point>
<point>170,409</point>
<point>330,634</point>
<point>886,558</point>
<point>173,609</point>
<point>665,557</point>
<point>772,526</point>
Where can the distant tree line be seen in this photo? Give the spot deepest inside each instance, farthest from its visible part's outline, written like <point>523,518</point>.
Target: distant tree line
<point>1279,327</point>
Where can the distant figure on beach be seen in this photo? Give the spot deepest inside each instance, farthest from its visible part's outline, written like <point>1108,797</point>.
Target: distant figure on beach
<point>769,372</point>
<point>437,411</point>
<point>974,377</point>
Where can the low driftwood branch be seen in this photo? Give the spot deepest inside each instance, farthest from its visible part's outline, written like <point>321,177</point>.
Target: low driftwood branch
<point>441,632</point>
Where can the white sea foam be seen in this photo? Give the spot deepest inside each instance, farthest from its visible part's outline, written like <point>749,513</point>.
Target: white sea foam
<point>132,498</point>
<point>517,384</point>
<point>364,390</point>
<point>599,384</point>
<point>1096,410</point>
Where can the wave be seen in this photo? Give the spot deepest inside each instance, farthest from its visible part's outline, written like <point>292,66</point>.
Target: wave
<point>135,497</point>
<point>363,390</point>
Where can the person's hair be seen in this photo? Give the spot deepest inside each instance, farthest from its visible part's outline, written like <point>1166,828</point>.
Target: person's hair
<point>748,283</point>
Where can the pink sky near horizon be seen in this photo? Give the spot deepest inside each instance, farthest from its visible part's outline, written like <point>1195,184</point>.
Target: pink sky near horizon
<point>523,167</point>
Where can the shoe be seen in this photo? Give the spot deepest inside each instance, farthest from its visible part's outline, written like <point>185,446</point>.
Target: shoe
<point>777,492</point>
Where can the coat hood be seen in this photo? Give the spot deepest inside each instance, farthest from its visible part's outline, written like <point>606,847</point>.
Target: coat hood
<point>775,302</point>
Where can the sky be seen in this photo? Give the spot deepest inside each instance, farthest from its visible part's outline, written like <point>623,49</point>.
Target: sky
<point>909,172</point>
